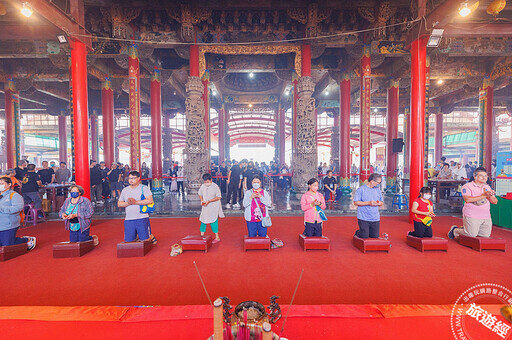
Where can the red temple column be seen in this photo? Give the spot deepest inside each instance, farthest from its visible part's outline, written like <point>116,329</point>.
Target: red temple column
<point>221,136</point>
<point>418,78</point>
<point>344,123</point>
<point>134,77</point>
<point>12,124</point>
<point>365,103</point>
<point>107,108</point>
<point>156,133</point>
<point>427,114</point>
<point>94,136</point>
<point>63,138</point>
<point>486,120</point>
<point>306,60</point>
<point>392,133</point>
<point>80,116</point>
<point>282,135</point>
<point>438,137</point>
<point>194,60</point>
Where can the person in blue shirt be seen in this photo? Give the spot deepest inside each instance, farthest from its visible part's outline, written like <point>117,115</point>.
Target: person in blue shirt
<point>11,205</point>
<point>368,199</point>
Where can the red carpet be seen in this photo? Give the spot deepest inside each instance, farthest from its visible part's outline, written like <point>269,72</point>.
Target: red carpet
<point>343,275</point>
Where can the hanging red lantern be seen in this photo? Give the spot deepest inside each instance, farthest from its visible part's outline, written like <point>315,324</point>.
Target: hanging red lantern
<point>496,7</point>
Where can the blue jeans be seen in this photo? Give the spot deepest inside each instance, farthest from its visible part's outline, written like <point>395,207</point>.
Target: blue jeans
<point>79,236</point>
<point>256,229</point>
<point>8,238</point>
<point>139,227</point>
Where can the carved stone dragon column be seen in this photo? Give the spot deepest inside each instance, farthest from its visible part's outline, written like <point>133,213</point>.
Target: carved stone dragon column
<point>304,164</point>
<point>196,154</point>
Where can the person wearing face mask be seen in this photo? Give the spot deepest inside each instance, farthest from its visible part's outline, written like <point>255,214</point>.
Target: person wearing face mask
<point>211,207</point>
<point>368,199</point>
<point>309,201</point>
<point>77,213</point>
<point>256,203</point>
<point>423,212</point>
<point>11,205</point>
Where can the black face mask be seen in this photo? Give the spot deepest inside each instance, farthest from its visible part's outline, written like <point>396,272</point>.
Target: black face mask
<point>250,167</point>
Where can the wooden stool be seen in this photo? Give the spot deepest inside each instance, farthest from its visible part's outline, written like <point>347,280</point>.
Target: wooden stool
<point>134,249</point>
<point>196,242</point>
<point>483,243</point>
<point>256,243</point>
<point>371,244</point>
<point>427,243</point>
<point>10,252</point>
<point>314,242</point>
<point>72,249</point>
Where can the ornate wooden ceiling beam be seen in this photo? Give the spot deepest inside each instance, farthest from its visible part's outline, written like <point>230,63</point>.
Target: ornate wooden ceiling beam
<point>477,30</point>
<point>74,27</point>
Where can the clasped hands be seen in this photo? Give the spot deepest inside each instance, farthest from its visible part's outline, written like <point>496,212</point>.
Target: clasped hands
<point>376,203</point>
<point>132,201</point>
<point>70,216</point>
<point>315,202</point>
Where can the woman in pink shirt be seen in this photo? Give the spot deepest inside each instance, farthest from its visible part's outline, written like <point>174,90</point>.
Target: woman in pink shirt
<point>309,201</point>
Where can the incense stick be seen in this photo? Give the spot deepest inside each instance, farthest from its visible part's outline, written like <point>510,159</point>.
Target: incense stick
<point>291,302</point>
<point>204,287</point>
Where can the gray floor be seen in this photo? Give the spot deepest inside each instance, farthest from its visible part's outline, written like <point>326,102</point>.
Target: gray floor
<point>284,203</point>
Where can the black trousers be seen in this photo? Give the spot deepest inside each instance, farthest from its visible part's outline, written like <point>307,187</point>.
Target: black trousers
<point>368,229</point>
<point>421,230</point>
<point>232,191</point>
<point>180,185</point>
<point>313,229</point>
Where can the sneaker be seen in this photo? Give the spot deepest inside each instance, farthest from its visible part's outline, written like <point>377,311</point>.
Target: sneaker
<point>31,243</point>
<point>236,206</point>
<point>228,205</point>
<point>95,240</point>
<point>450,233</point>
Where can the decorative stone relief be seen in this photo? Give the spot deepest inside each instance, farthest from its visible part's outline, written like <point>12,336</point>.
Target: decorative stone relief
<point>196,154</point>
<point>305,154</point>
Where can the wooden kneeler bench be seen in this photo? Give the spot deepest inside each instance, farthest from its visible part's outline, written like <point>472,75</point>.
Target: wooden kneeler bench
<point>371,244</point>
<point>256,243</point>
<point>196,242</point>
<point>134,249</point>
<point>72,249</point>
<point>427,243</point>
<point>10,252</point>
<point>483,243</point>
<point>314,242</point>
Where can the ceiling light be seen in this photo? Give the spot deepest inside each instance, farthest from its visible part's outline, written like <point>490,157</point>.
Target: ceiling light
<point>251,75</point>
<point>287,93</point>
<point>440,82</point>
<point>326,93</point>
<point>375,110</point>
<point>467,7</point>
<point>250,105</point>
<point>26,9</point>
<point>214,92</point>
<point>62,38</point>
<point>435,37</point>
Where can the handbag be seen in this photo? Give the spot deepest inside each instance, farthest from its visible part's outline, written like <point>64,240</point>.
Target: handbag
<point>427,220</point>
<point>74,219</point>
<point>176,249</point>
<point>147,208</point>
<point>265,220</point>
<point>320,211</point>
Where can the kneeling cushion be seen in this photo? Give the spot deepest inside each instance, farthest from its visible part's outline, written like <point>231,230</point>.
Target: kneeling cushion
<point>10,252</point>
<point>371,244</point>
<point>427,243</point>
<point>256,243</point>
<point>72,249</point>
<point>483,243</point>
<point>134,249</point>
<point>314,242</point>
<point>196,242</point>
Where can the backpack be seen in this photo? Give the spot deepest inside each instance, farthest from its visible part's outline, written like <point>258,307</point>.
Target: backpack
<point>22,212</point>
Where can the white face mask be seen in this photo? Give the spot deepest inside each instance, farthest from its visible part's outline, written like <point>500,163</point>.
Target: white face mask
<point>2,187</point>
<point>256,185</point>
<point>427,196</point>
<point>207,184</point>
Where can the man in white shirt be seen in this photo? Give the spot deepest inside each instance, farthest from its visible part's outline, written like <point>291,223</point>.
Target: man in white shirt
<point>459,172</point>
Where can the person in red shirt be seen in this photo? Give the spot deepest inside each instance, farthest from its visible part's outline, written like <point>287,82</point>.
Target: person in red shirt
<point>423,213</point>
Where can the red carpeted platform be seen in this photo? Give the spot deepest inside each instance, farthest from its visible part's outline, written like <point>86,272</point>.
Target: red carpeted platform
<point>343,275</point>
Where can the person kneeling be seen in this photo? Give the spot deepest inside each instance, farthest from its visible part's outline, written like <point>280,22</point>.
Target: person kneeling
<point>310,201</point>
<point>368,199</point>
<point>136,223</point>
<point>77,213</point>
<point>11,206</point>
<point>256,203</point>
<point>423,213</point>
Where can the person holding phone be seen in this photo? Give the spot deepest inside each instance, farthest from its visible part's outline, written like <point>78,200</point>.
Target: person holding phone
<point>368,199</point>
<point>309,203</point>
<point>256,203</point>
<point>77,213</point>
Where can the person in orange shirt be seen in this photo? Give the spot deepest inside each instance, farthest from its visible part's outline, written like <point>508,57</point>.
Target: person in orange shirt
<point>16,185</point>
